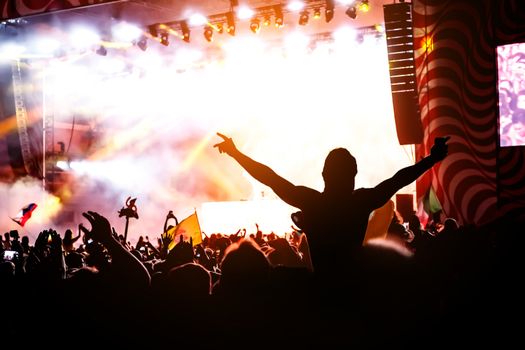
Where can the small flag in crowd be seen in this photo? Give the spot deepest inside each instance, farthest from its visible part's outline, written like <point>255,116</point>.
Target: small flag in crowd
<point>24,214</point>
<point>189,228</point>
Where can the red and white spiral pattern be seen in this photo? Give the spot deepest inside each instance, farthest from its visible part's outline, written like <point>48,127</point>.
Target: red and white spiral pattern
<point>457,83</point>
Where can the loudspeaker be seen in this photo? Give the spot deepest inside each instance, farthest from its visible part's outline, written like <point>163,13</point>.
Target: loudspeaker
<point>405,205</point>
<point>402,67</point>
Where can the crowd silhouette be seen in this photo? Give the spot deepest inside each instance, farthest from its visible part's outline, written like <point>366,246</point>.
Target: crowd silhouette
<point>319,285</point>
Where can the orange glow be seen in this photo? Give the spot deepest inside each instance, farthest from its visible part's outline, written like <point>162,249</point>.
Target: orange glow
<point>7,125</point>
<point>427,43</point>
<point>50,207</point>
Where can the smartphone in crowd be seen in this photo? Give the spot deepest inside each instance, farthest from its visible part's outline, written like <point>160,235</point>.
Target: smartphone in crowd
<point>10,255</point>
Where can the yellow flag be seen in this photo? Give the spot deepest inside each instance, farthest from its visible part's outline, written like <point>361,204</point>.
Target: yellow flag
<point>188,228</point>
<point>379,222</point>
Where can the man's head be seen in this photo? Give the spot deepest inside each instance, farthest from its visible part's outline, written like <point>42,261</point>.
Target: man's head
<point>340,169</point>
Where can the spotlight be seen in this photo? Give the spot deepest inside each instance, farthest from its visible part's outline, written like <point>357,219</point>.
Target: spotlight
<point>164,39</point>
<point>364,6</point>
<point>351,12</point>
<point>208,34</point>
<point>102,51</point>
<point>185,31</point>
<point>329,10</point>
<point>230,25</point>
<point>267,21</point>
<point>303,18</point>
<point>279,19</point>
<point>317,13</point>
<point>220,28</point>
<point>153,30</point>
<point>143,43</point>
<point>255,25</point>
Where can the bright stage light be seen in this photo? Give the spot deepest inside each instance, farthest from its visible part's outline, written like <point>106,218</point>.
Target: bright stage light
<point>125,32</point>
<point>345,35</point>
<point>244,12</point>
<point>296,42</point>
<point>198,20</point>
<point>255,92</point>
<point>62,164</point>
<point>47,45</point>
<point>84,38</point>
<point>295,6</point>
<point>11,51</point>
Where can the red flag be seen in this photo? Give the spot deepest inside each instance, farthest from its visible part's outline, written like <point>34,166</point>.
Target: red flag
<point>24,214</point>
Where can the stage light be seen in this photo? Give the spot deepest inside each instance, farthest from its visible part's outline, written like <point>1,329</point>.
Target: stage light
<point>267,21</point>
<point>198,20</point>
<point>351,12</point>
<point>102,51</point>
<point>295,6</point>
<point>230,23</point>
<point>164,39</point>
<point>279,19</point>
<point>317,13</point>
<point>255,25</point>
<point>364,6</point>
<point>329,10</point>
<point>220,28</point>
<point>125,32</point>
<point>208,34</point>
<point>245,12</point>
<point>152,29</point>
<point>143,43</point>
<point>303,18</point>
<point>185,31</point>
<point>84,38</point>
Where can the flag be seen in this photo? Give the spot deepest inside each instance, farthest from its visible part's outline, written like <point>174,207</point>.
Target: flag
<point>379,221</point>
<point>189,228</point>
<point>24,214</point>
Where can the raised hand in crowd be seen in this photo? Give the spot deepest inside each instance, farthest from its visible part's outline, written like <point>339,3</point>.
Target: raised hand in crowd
<point>127,268</point>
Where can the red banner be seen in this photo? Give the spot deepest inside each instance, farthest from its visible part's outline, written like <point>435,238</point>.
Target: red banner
<point>19,8</point>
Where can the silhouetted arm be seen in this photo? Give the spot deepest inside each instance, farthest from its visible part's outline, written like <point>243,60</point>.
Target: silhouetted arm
<point>128,270</point>
<point>297,196</point>
<point>386,189</point>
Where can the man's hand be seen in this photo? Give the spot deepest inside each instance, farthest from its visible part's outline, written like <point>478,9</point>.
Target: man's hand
<point>440,149</point>
<point>100,227</point>
<point>226,146</point>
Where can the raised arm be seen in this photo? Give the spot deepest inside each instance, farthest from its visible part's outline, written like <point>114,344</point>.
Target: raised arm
<point>128,270</point>
<point>296,196</point>
<point>386,189</point>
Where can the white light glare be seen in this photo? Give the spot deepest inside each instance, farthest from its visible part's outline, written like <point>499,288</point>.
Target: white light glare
<point>245,12</point>
<point>346,2</point>
<point>197,20</point>
<point>295,6</point>
<point>11,50</point>
<point>61,164</point>
<point>125,32</point>
<point>345,35</point>
<point>47,45</point>
<point>83,38</point>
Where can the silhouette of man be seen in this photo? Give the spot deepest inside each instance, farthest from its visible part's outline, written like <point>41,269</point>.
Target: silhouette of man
<point>336,219</point>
